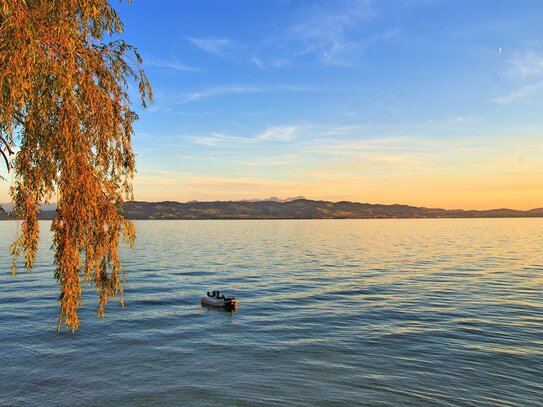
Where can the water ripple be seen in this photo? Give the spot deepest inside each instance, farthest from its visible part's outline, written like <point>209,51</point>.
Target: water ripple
<point>386,313</point>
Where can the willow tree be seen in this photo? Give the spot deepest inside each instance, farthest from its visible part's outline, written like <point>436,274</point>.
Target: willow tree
<point>64,103</point>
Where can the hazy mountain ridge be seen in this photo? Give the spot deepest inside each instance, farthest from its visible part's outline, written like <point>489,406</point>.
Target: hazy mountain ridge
<point>303,209</point>
<point>296,209</point>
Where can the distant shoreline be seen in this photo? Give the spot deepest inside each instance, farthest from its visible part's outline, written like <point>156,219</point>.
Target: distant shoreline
<point>295,209</point>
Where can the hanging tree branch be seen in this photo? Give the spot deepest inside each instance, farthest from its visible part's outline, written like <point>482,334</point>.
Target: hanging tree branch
<point>6,145</point>
<point>5,159</point>
<point>64,98</point>
<point>9,150</point>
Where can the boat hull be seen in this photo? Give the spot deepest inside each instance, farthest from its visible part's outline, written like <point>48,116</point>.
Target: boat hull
<point>220,302</point>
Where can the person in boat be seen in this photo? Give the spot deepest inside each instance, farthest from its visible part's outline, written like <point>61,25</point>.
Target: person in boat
<point>218,295</point>
<point>209,295</point>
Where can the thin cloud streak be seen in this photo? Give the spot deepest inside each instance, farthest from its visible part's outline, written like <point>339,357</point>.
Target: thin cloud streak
<point>277,133</point>
<point>257,62</point>
<point>245,89</point>
<point>221,91</point>
<point>286,133</point>
<point>216,139</point>
<point>175,65</point>
<point>210,45</point>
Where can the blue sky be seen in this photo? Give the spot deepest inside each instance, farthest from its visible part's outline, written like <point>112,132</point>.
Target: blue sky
<point>430,103</point>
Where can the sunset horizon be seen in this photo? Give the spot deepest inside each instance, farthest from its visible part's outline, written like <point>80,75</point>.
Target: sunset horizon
<point>333,199</point>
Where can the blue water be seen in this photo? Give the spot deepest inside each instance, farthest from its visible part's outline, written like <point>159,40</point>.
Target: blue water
<point>332,312</point>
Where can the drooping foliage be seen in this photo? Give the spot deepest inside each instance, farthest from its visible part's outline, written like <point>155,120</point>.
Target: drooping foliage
<point>64,103</point>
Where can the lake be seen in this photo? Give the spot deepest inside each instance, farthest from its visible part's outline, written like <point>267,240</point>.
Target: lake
<point>331,312</point>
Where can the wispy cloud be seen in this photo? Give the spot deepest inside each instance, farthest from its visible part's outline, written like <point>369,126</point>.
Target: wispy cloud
<point>276,133</point>
<point>257,62</point>
<point>384,168</point>
<point>216,139</point>
<point>521,94</point>
<point>462,119</point>
<point>332,35</point>
<point>526,73</point>
<point>325,31</point>
<point>220,91</point>
<point>285,133</point>
<point>246,89</point>
<point>211,45</point>
<point>175,65</point>
<point>528,65</point>
<point>322,131</point>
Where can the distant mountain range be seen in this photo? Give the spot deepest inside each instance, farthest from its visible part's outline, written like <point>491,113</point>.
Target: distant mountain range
<point>296,209</point>
<point>8,207</point>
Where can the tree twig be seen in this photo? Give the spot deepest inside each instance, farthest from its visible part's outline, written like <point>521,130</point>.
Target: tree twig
<point>5,159</point>
<point>10,151</point>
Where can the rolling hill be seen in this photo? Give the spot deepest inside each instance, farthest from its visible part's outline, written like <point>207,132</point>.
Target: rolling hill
<point>295,209</point>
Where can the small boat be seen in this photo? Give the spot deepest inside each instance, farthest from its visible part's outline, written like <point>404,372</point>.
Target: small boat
<point>216,299</point>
